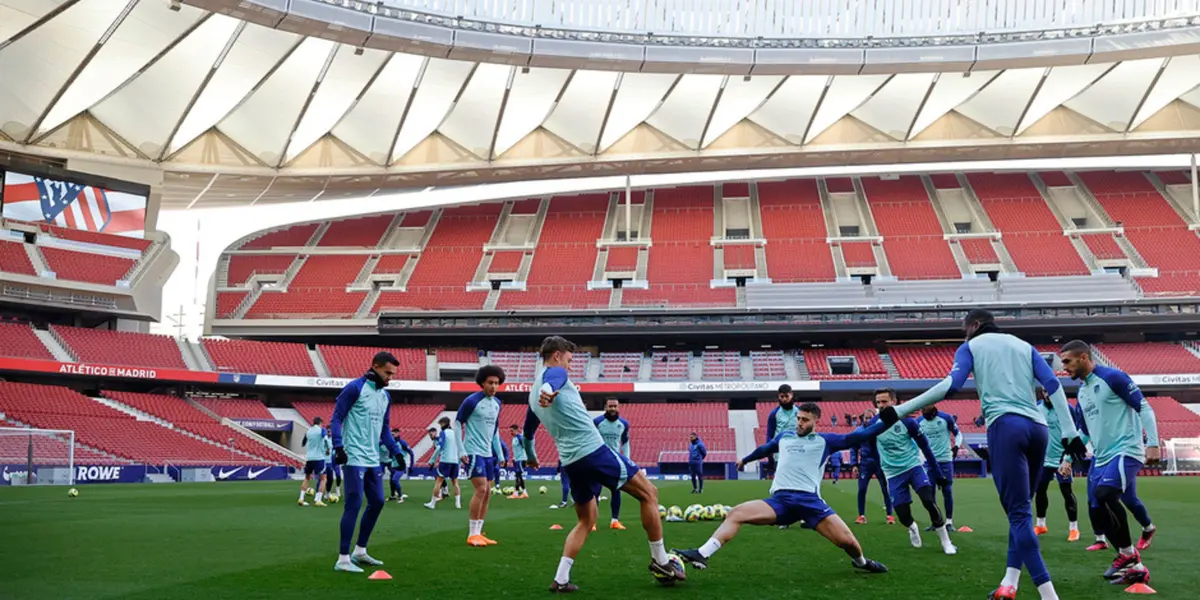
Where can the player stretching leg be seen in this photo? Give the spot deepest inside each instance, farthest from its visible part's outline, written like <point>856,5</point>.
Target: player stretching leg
<point>446,444</point>
<point>900,448</point>
<point>1056,466</point>
<point>615,431</point>
<point>556,403</point>
<point>945,439</point>
<point>1114,415</point>
<point>796,491</point>
<point>1006,371</point>
<point>518,462</point>
<point>866,462</point>
<point>479,422</point>
<point>359,425</point>
<point>314,465</point>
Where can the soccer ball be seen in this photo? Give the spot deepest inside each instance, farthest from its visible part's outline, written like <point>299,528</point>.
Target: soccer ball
<point>722,511</point>
<point>542,490</point>
<point>71,493</point>
<point>674,560</point>
<point>509,490</point>
<point>334,498</point>
<point>662,511</point>
<point>693,513</point>
<point>675,511</point>
<point>710,513</point>
<point>311,491</point>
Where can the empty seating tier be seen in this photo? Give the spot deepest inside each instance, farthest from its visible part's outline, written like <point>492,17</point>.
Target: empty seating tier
<point>14,259</point>
<point>243,266</point>
<point>120,347</point>
<point>721,366</point>
<point>18,340</point>
<point>768,365</point>
<point>236,408</point>
<point>794,225</point>
<point>458,355</point>
<point>353,361</point>
<point>86,267</point>
<point>620,366</point>
<point>565,258</point>
<point>365,232</point>
<point>518,366</point>
<point>246,356</point>
<point>296,235</point>
<point>1151,359</point>
<point>1032,234</point>
<point>670,366</point>
<point>912,234</point>
<point>866,363</point>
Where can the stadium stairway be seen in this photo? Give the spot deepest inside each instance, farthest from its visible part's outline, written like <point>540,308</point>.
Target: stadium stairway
<point>145,416</point>
<point>51,341</point>
<point>268,445</point>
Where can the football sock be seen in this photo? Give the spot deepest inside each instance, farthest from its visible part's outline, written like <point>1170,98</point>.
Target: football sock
<point>458,502</point>
<point>859,561</point>
<point>564,570</point>
<point>1149,528</point>
<point>474,527</point>
<point>710,547</point>
<point>1074,526</point>
<point>1041,522</point>
<point>943,534</point>
<point>1011,578</point>
<point>658,551</point>
<point>301,495</point>
<point>1127,551</point>
<point>1047,591</point>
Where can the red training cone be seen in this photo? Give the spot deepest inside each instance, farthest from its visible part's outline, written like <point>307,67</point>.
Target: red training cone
<point>965,529</point>
<point>379,575</point>
<point>556,527</point>
<point>1140,588</point>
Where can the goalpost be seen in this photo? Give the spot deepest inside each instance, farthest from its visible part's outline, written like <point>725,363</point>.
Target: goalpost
<point>1182,456</point>
<point>37,456</point>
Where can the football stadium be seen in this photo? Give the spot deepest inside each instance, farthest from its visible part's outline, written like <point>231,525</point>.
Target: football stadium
<point>485,298</point>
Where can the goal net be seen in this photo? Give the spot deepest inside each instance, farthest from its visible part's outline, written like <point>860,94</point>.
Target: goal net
<point>1182,456</point>
<point>37,456</point>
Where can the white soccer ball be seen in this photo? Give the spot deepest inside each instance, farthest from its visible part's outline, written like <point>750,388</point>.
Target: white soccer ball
<point>662,511</point>
<point>693,513</point>
<point>311,491</point>
<point>542,490</point>
<point>71,493</point>
<point>675,512</point>
<point>675,560</point>
<point>334,498</point>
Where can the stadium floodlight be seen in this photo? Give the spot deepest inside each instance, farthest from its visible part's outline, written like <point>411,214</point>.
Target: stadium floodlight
<point>37,456</point>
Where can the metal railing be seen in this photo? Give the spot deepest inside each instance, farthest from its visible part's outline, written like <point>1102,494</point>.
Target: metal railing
<point>819,19</point>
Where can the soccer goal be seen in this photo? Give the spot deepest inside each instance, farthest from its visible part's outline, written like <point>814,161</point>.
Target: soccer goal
<point>37,456</point>
<point>1182,456</point>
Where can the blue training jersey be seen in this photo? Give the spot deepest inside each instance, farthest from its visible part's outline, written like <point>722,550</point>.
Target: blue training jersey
<point>479,423</point>
<point>360,422</point>
<point>697,451</point>
<point>802,460</point>
<point>1006,371</point>
<point>943,435</point>
<point>567,419</point>
<point>901,446</point>
<point>1114,415</point>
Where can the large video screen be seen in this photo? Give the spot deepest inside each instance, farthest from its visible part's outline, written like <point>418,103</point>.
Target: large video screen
<point>73,204</point>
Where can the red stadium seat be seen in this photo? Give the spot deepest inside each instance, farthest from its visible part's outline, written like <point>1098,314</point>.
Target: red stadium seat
<point>19,340</point>
<point>794,226</point>
<point>1032,235</point>
<point>87,267</point>
<point>121,347</point>
<point>912,234</point>
<point>246,356</point>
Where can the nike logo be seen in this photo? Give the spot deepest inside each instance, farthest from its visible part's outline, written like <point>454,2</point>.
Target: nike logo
<point>223,475</point>
<point>251,473</point>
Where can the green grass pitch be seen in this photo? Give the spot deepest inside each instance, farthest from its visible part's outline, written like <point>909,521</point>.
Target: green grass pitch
<point>250,540</point>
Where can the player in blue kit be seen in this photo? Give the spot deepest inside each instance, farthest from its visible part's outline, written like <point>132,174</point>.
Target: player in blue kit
<point>518,462</point>
<point>944,439</point>
<point>1114,415</point>
<point>900,448</point>
<point>500,461</point>
<point>697,451</point>
<point>445,461</point>
<point>333,473</point>
<point>1006,371</point>
<point>615,431</point>
<point>359,425</point>
<point>835,466</point>
<point>796,491</point>
<point>591,465</point>
<point>1057,466</point>
<point>781,418</point>
<point>397,465</point>
<point>866,466</point>
<point>479,423</point>
<point>316,447</point>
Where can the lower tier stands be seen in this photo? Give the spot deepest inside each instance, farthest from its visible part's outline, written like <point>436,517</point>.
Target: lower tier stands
<point>121,347</point>
<point>670,366</point>
<point>620,366</point>
<point>236,408</point>
<point>721,366</point>
<point>353,361</point>
<point>768,365</point>
<point>1151,359</point>
<point>246,356</point>
<point>457,355</point>
<point>47,450</point>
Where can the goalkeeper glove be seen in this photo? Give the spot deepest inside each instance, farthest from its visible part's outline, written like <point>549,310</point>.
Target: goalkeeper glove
<point>1076,449</point>
<point>339,456</point>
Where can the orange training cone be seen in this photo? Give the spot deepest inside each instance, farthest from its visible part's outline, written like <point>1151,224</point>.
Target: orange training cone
<point>1140,588</point>
<point>556,527</point>
<point>379,575</point>
<point>965,529</point>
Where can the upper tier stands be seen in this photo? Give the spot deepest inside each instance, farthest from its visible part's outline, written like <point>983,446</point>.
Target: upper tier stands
<point>457,355</point>
<point>768,365</point>
<point>565,257</point>
<point>296,235</point>
<point>620,366</point>
<point>91,237</point>
<point>670,366</point>
<point>120,347</point>
<point>721,366</point>
<point>246,356</point>
<point>867,360</point>
<point>912,234</point>
<point>1032,234</point>
<point>365,232</point>
<point>1151,359</point>
<point>353,361</point>
<point>19,340</point>
<point>518,366</point>
<point>86,267</point>
<point>13,259</point>
<point>794,226</point>
<point>243,266</point>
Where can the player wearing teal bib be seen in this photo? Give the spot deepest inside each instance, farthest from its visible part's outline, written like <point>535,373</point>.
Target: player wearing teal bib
<point>479,421</point>
<point>615,431</point>
<point>1114,416</point>
<point>316,448</point>
<point>944,440</point>
<point>556,403</point>
<point>518,461</point>
<point>1058,465</point>
<point>444,462</point>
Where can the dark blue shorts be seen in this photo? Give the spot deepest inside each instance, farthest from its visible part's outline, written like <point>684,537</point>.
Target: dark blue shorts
<point>898,486</point>
<point>792,506</point>
<point>603,468</point>
<point>1120,472</point>
<point>314,467</point>
<point>481,466</point>
<point>1049,473</point>
<point>869,469</point>
<point>947,469</point>
<point>448,470</point>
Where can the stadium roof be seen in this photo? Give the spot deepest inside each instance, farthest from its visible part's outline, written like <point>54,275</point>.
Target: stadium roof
<point>221,103</point>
